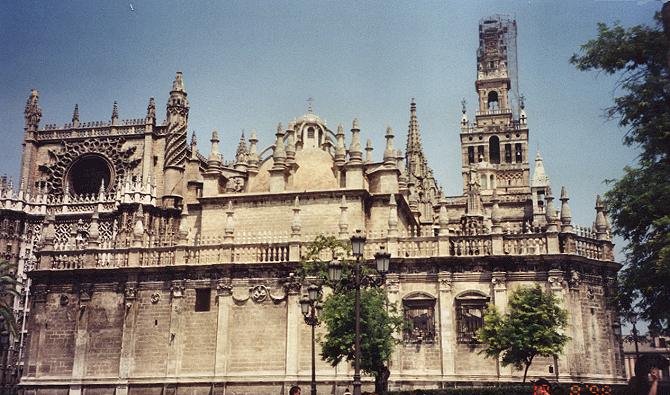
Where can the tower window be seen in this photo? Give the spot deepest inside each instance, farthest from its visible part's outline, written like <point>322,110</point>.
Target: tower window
<point>471,155</point>
<point>493,100</point>
<point>494,149</point>
<point>480,153</point>
<point>470,309</point>
<point>310,133</point>
<point>419,311</point>
<point>508,153</point>
<point>202,299</point>
<point>518,155</point>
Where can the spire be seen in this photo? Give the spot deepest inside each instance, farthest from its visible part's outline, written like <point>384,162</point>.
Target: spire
<point>194,146</point>
<point>550,213</point>
<point>177,122</point>
<point>464,116</point>
<point>601,222</point>
<point>75,116</point>
<point>214,160</point>
<point>540,178</point>
<point>178,83</point>
<point>33,112</point>
<point>340,150</point>
<point>151,111</point>
<point>496,215</point>
<point>566,214</point>
<point>389,153</point>
<point>290,143</point>
<point>115,113</point>
<point>393,217</point>
<point>368,151</point>
<point>296,225</point>
<point>253,155</point>
<point>279,153</point>
<point>414,150</point>
<point>241,153</point>
<point>355,153</point>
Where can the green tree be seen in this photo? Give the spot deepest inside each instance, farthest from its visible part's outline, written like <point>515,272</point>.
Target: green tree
<point>637,202</point>
<point>379,319</point>
<point>531,326</point>
<point>8,292</point>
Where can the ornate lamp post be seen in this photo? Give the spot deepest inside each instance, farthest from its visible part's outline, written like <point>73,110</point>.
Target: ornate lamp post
<point>382,260</point>
<point>311,309</point>
<point>632,318</point>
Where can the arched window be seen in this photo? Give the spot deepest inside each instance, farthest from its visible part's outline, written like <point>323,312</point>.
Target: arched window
<point>482,181</point>
<point>493,100</point>
<point>310,133</point>
<point>470,308</point>
<point>419,313</point>
<point>492,181</point>
<point>494,149</point>
<point>518,153</point>
<point>471,154</point>
<point>87,173</point>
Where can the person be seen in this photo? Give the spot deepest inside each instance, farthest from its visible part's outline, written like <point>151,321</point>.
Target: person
<point>295,390</point>
<point>542,387</point>
<point>645,381</point>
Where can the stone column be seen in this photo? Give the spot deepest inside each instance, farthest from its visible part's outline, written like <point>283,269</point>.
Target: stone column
<point>556,286</point>
<point>447,330</point>
<point>392,291</point>
<point>81,338</point>
<point>293,321</point>
<point>499,293</point>
<point>176,335</point>
<point>224,293</point>
<point>575,351</point>
<point>131,308</point>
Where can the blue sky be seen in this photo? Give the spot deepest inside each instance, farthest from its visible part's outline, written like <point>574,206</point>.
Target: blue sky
<point>252,64</point>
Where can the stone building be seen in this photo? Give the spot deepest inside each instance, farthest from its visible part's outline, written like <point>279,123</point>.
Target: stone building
<point>154,266</point>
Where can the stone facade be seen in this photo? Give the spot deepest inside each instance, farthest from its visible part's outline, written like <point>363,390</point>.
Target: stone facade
<point>152,268</point>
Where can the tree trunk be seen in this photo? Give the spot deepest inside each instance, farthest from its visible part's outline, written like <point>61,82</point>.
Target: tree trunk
<point>382,380</point>
<point>525,372</point>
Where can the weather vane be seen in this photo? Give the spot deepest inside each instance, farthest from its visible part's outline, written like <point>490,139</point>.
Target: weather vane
<point>310,100</point>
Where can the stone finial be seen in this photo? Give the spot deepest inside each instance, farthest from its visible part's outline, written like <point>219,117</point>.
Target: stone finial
<point>242,153</point>
<point>151,111</point>
<point>33,112</point>
<point>194,140</point>
<point>496,214</point>
<point>75,116</point>
<point>184,228</point>
<point>230,221</point>
<point>393,216</point>
<point>296,226</point>
<point>253,155</point>
<point>464,115</point>
<point>343,223</point>
<point>290,143</point>
<point>566,214</point>
<point>368,151</point>
<point>550,212</point>
<point>214,160</point>
<point>278,152</point>
<point>540,178</point>
<point>389,153</point>
<point>115,113</point>
<point>443,219</point>
<point>355,152</point>
<point>601,221</point>
<point>178,83</point>
<point>340,150</point>
<point>138,228</point>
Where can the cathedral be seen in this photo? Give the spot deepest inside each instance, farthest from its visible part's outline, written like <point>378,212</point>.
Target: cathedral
<point>151,265</point>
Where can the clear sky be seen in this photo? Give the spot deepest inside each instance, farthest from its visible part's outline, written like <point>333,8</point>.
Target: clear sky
<point>252,64</point>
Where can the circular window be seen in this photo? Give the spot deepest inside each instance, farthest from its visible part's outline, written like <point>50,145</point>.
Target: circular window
<point>87,173</point>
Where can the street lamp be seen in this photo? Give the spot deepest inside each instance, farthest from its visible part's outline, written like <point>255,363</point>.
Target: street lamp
<point>632,318</point>
<point>382,261</point>
<point>311,309</point>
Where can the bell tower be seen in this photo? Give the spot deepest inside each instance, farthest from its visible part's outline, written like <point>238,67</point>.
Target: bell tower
<point>496,144</point>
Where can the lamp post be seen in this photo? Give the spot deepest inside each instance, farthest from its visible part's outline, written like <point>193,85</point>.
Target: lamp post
<point>632,318</point>
<point>311,309</point>
<point>382,260</point>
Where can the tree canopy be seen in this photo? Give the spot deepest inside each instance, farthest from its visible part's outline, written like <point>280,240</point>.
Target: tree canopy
<point>638,56</point>
<point>531,326</point>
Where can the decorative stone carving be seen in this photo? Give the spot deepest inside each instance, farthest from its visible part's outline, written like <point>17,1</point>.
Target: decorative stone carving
<point>392,283</point>
<point>575,279</point>
<point>224,288</point>
<point>445,280</point>
<point>130,292</point>
<point>555,280</point>
<point>64,300</point>
<point>40,293</point>
<point>177,289</point>
<point>111,149</point>
<point>292,285</point>
<point>259,293</point>
<point>85,292</point>
<point>155,297</point>
<point>499,281</point>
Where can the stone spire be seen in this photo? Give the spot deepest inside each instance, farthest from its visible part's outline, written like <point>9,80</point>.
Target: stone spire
<point>443,219</point>
<point>474,199</point>
<point>464,115</point>
<point>253,155</point>
<point>550,212</point>
<point>279,153</point>
<point>214,160</point>
<point>151,111</point>
<point>296,225</point>
<point>115,113</point>
<point>368,151</point>
<point>393,217</point>
<point>75,116</point>
<point>540,178</point>
<point>229,229</point>
<point>389,153</point>
<point>340,150</point>
<point>601,221</point>
<point>566,214</point>
<point>414,152</point>
<point>33,112</point>
<point>242,153</point>
<point>496,215</point>
<point>177,120</point>
<point>290,143</point>
<point>355,152</point>
<point>194,146</point>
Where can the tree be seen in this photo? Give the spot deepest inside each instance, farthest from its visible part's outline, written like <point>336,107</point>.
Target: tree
<point>379,319</point>
<point>531,326</point>
<point>7,291</point>
<point>637,201</point>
